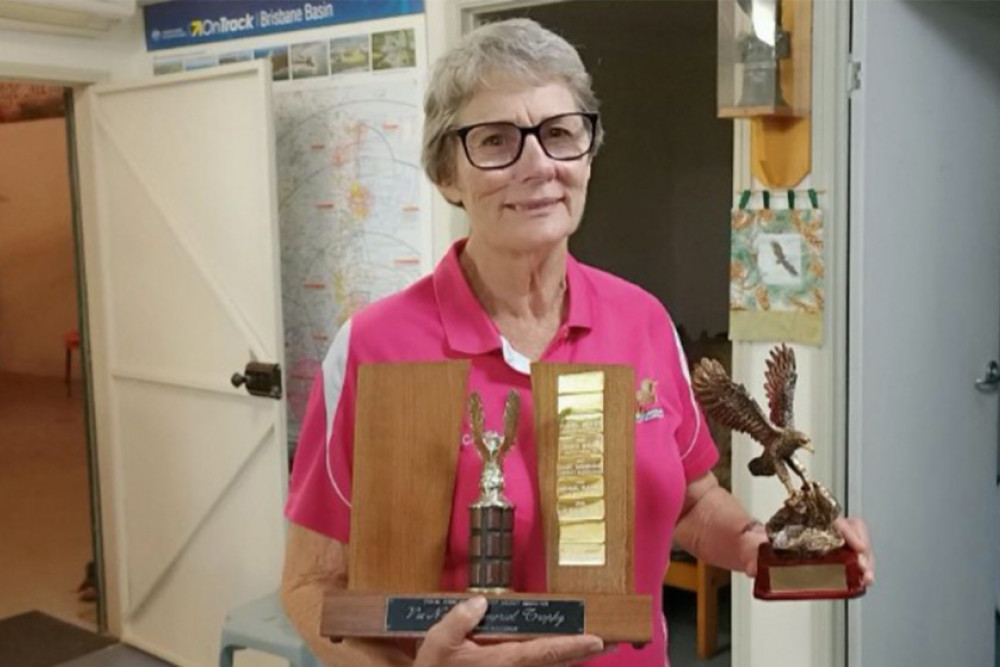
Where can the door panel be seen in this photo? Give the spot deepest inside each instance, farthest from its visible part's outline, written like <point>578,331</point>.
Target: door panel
<point>924,322</point>
<point>188,289</point>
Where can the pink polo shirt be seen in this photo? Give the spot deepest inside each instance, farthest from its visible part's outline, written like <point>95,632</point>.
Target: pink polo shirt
<point>608,321</point>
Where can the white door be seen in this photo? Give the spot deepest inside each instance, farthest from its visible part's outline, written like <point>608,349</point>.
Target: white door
<point>182,268</point>
<point>924,324</point>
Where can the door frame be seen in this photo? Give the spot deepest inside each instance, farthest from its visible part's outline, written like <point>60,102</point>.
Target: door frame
<point>76,80</point>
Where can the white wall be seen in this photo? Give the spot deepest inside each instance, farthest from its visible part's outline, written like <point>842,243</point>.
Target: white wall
<point>116,54</point>
<point>805,633</point>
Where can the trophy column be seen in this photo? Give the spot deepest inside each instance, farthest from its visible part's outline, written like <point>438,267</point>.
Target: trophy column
<point>491,545</point>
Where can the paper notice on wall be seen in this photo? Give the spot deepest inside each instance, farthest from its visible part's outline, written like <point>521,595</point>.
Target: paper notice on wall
<point>776,276</point>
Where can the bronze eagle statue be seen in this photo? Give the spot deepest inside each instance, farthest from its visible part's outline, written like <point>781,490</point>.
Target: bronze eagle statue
<point>731,405</point>
<point>490,446</point>
<point>804,524</point>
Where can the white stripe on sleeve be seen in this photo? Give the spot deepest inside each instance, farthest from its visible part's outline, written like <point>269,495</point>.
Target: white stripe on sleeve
<point>334,374</point>
<point>682,360</point>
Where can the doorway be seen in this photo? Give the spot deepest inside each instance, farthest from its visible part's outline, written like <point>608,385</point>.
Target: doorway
<point>46,508</point>
<point>660,192</point>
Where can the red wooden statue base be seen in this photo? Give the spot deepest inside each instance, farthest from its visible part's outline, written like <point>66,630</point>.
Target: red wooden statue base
<point>836,575</point>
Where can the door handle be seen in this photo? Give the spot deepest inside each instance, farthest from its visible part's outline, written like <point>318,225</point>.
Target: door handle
<point>261,379</point>
<point>991,381</point>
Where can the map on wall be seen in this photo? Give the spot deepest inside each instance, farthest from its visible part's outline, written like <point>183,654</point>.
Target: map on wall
<point>351,194</point>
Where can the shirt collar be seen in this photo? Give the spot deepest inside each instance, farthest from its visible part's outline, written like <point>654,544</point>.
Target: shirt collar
<point>469,328</point>
<point>581,296</point>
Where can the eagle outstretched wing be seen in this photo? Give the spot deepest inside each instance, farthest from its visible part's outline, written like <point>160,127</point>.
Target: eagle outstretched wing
<point>511,410</point>
<point>476,421</point>
<point>779,385</point>
<point>728,402</point>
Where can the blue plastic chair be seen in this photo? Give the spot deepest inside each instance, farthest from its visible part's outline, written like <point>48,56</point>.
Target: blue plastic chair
<point>261,625</point>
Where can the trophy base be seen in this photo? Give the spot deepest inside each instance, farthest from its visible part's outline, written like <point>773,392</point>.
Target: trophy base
<point>511,616</point>
<point>833,576</point>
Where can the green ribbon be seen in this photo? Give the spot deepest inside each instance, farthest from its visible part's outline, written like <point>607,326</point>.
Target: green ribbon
<point>813,198</point>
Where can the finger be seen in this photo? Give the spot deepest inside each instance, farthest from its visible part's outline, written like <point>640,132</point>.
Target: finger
<point>548,652</point>
<point>456,625</point>
<point>861,528</point>
<point>854,533</point>
<point>608,650</point>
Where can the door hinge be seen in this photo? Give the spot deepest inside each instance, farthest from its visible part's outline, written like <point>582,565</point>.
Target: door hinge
<point>853,76</point>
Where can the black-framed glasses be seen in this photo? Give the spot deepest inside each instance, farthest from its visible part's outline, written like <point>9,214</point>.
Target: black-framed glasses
<point>568,136</point>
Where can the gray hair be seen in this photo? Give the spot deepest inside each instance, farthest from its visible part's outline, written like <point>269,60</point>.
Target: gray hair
<point>516,48</point>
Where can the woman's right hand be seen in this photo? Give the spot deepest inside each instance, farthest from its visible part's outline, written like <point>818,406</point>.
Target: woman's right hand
<point>448,644</point>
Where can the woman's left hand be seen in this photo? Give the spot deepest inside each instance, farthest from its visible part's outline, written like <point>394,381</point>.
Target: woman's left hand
<point>855,533</point>
<point>752,536</point>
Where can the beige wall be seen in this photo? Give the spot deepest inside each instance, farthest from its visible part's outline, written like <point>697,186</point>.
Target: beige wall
<point>37,282</point>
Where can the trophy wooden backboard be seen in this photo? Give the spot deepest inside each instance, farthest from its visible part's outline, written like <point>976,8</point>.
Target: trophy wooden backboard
<point>408,425</point>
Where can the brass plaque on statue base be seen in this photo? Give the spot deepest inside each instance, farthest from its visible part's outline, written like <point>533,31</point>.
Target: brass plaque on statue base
<point>407,434</point>
<point>833,576</point>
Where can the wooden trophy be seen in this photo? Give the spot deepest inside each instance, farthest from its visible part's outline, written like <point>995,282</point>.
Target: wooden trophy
<point>407,429</point>
<point>805,557</point>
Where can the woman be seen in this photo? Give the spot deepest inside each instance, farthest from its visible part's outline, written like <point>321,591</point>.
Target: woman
<point>510,134</point>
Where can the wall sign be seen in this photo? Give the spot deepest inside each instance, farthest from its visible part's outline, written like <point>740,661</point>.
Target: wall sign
<point>170,25</point>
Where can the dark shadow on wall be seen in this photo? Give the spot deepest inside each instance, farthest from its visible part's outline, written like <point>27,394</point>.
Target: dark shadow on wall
<point>661,189</point>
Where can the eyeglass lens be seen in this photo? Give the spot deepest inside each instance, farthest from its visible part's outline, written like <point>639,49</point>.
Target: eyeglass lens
<point>564,137</point>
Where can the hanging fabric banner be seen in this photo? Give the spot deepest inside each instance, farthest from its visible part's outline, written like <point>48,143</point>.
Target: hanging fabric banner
<point>776,276</point>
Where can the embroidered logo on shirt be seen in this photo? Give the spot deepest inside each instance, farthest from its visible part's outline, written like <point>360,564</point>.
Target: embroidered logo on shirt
<point>645,399</point>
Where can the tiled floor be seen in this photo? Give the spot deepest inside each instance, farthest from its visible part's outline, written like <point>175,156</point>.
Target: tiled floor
<point>44,499</point>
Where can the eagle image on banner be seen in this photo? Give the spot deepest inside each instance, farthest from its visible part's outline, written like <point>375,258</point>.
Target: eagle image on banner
<point>776,275</point>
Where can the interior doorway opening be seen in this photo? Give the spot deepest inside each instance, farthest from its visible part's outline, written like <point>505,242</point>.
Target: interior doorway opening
<point>658,213</point>
<point>47,510</point>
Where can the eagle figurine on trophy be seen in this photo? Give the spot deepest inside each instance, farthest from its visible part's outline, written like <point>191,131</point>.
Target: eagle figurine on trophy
<point>805,557</point>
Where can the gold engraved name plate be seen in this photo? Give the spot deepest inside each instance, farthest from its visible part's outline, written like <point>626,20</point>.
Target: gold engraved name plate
<point>578,466</point>
<point>584,532</point>
<point>582,486</point>
<point>583,555</point>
